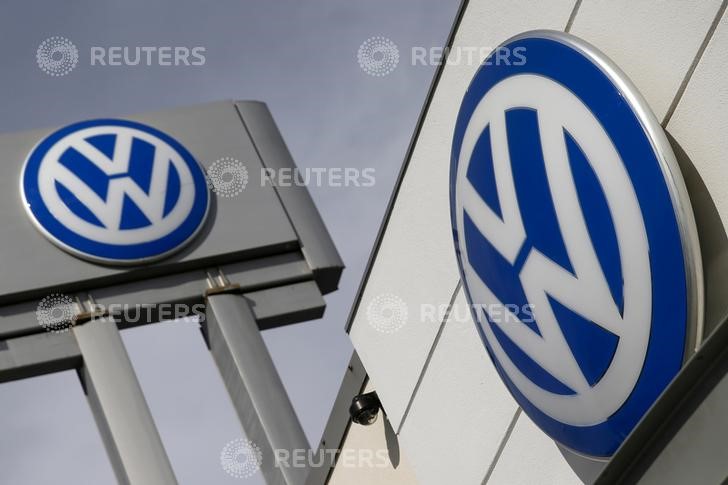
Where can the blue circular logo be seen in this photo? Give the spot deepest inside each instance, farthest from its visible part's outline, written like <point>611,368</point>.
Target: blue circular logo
<point>114,191</point>
<point>575,239</point>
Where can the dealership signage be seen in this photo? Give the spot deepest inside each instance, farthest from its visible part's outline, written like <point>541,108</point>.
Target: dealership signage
<point>566,196</point>
<point>114,191</point>
<point>112,223</point>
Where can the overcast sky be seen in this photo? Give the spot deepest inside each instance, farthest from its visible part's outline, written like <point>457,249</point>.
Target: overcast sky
<point>300,58</point>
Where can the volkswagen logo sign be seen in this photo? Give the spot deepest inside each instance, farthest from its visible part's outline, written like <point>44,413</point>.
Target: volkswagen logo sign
<point>114,191</point>
<point>566,196</point>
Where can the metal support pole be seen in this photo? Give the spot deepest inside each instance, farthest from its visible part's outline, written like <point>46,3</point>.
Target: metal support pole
<point>123,418</point>
<point>255,387</point>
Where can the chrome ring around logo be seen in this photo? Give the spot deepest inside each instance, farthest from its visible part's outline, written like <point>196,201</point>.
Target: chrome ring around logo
<point>114,191</point>
<point>566,196</point>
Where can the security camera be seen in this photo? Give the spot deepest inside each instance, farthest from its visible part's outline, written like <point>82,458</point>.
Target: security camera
<point>365,408</point>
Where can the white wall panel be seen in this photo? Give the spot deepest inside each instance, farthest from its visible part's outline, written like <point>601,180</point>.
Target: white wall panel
<point>354,466</point>
<point>416,259</point>
<point>461,410</point>
<point>653,42</point>
<point>700,122</point>
<point>531,458</point>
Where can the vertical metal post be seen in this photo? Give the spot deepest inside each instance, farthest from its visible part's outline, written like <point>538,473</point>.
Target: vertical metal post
<point>255,387</point>
<point>124,420</point>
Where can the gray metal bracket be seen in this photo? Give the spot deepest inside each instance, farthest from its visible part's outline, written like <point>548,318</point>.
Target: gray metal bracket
<point>116,399</point>
<point>235,313</point>
<point>690,388</point>
<point>255,388</point>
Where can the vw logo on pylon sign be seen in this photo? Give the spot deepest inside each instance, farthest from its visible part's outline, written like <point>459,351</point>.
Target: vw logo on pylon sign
<point>114,191</point>
<point>566,195</point>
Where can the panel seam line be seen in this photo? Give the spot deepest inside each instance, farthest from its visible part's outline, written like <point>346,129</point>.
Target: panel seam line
<point>429,356</point>
<point>694,65</point>
<point>501,446</point>
<point>572,17</point>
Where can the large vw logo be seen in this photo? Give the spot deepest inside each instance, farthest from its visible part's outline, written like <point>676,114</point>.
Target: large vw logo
<point>115,191</point>
<point>564,201</point>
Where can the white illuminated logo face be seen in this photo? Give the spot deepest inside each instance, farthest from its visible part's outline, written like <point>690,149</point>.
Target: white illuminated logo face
<point>115,191</point>
<point>108,210</point>
<point>583,289</point>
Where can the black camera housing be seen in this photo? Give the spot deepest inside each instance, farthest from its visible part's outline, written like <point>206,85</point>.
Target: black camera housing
<point>364,408</point>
